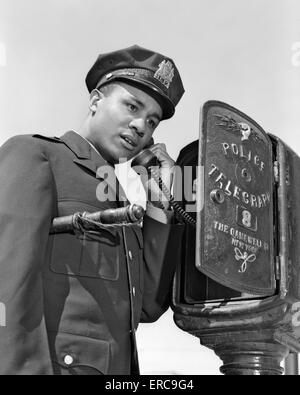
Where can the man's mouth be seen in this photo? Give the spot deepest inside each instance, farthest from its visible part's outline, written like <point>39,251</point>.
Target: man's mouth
<point>129,142</point>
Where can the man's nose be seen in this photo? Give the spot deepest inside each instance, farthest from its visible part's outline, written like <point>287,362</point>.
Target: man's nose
<point>138,125</point>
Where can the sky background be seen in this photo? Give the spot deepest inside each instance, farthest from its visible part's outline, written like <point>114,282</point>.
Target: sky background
<point>245,53</point>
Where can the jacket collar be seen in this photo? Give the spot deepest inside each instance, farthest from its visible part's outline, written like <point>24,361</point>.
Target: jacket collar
<point>86,156</point>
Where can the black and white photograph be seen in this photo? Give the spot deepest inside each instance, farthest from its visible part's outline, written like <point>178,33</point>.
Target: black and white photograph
<point>149,190</point>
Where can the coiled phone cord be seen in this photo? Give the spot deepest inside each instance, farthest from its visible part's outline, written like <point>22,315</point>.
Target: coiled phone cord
<point>178,210</point>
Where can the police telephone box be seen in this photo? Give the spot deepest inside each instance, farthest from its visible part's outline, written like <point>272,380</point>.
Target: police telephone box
<point>237,287</point>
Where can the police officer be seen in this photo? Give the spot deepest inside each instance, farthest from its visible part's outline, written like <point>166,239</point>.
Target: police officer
<point>73,302</point>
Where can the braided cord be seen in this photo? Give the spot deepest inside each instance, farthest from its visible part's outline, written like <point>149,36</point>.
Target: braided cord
<point>82,224</point>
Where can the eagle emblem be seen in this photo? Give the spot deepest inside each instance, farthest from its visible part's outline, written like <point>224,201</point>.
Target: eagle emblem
<point>245,130</point>
<point>232,125</point>
<point>165,73</point>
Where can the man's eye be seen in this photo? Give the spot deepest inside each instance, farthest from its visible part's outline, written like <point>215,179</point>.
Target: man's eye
<point>132,107</point>
<point>152,124</point>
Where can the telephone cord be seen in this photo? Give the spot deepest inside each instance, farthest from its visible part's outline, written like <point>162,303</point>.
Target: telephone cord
<point>177,208</point>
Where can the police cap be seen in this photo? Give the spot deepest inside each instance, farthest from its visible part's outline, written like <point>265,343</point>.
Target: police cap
<point>152,72</point>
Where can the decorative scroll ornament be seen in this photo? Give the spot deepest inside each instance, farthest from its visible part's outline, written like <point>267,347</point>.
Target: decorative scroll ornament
<point>245,257</point>
<point>165,73</point>
<point>232,125</point>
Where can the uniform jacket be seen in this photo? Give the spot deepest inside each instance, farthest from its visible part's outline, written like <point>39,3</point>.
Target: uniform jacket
<point>67,297</point>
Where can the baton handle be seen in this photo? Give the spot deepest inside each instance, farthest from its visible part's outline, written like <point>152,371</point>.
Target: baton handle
<point>129,214</point>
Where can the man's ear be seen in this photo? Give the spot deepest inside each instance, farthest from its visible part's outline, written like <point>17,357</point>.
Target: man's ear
<point>95,96</point>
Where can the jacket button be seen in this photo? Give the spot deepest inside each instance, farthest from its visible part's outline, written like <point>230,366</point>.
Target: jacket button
<point>130,255</point>
<point>68,360</point>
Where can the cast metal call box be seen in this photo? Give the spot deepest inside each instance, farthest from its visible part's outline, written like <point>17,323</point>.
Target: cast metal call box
<point>237,287</point>
<point>235,233</point>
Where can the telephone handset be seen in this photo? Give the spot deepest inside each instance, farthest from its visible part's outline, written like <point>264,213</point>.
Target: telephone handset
<point>147,159</point>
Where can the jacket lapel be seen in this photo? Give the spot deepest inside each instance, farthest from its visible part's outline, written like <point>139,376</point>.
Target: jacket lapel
<point>89,159</point>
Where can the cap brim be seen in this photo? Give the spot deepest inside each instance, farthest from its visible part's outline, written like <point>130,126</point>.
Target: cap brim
<point>158,95</point>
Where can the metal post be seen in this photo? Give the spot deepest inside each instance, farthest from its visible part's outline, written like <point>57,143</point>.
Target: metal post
<point>291,365</point>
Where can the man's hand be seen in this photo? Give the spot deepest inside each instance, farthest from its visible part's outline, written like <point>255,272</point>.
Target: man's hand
<point>165,170</point>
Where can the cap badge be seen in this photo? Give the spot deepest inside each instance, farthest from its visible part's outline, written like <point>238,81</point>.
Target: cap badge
<point>165,73</point>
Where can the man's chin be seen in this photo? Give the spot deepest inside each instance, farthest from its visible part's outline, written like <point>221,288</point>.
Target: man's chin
<point>125,155</point>
<point>120,154</point>
<point>121,157</point>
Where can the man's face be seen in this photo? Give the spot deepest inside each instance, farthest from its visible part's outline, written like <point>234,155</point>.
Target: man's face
<point>123,121</point>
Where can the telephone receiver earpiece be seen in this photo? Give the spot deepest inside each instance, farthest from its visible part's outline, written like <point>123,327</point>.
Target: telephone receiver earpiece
<point>145,158</point>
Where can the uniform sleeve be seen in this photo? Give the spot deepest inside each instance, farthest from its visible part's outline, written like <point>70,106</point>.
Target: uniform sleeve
<point>26,205</point>
<point>162,252</point>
